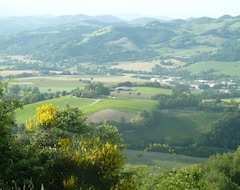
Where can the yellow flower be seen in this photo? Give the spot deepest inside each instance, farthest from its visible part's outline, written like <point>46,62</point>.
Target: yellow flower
<point>45,114</point>
<point>29,125</point>
<point>64,143</point>
<point>70,182</point>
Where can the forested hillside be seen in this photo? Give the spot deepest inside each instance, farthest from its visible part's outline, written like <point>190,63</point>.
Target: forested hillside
<point>108,39</point>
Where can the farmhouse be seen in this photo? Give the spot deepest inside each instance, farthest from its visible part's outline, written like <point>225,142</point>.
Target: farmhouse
<point>155,80</point>
<point>207,101</point>
<point>123,88</point>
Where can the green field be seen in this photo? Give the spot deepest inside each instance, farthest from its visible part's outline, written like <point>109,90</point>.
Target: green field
<point>183,52</point>
<point>230,99</point>
<point>174,127</point>
<point>228,68</point>
<point>51,84</point>
<point>163,160</point>
<point>152,90</point>
<point>133,106</point>
<point>30,109</point>
<point>56,83</point>
<point>88,106</point>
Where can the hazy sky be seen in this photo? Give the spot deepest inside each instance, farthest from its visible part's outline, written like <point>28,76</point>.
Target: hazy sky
<point>170,8</point>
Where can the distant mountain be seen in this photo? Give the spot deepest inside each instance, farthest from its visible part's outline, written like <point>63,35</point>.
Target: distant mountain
<point>107,38</point>
<point>11,25</point>
<point>145,20</point>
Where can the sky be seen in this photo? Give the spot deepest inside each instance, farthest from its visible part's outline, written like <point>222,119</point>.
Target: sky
<point>157,8</point>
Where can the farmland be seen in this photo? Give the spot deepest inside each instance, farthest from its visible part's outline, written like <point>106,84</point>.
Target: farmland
<point>89,106</point>
<point>230,68</point>
<point>68,82</point>
<point>163,160</point>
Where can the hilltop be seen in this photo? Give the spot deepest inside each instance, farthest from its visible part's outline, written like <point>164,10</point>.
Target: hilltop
<point>109,39</point>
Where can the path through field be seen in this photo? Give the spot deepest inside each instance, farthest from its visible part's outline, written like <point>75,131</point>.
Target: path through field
<point>96,101</point>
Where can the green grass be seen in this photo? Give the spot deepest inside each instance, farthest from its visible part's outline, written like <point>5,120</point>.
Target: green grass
<point>174,127</point>
<point>228,100</point>
<point>185,51</point>
<point>68,83</point>
<point>163,160</point>
<point>152,90</point>
<point>51,84</point>
<point>30,109</point>
<point>229,68</point>
<point>133,106</point>
<point>88,106</point>
<point>200,28</point>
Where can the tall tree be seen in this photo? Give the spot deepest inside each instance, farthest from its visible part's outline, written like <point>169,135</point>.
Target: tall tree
<point>7,106</point>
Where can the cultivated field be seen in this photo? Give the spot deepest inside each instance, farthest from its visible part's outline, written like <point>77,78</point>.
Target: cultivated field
<point>29,110</point>
<point>15,72</point>
<point>91,106</point>
<point>70,82</point>
<point>147,66</point>
<point>230,68</point>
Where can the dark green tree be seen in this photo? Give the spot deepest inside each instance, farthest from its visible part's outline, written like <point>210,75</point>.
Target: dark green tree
<point>225,133</point>
<point>8,105</point>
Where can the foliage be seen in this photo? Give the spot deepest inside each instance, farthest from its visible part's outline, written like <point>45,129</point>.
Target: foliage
<point>60,151</point>
<point>225,133</point>
<point>222,171</point>
<point>93,90</point>
<point>181,98</point>
<point>148,178</point>
<point>7,121</point>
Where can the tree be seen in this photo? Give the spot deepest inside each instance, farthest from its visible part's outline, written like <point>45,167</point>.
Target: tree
<point>225,133</point>
<point>222,171</point>
<point>63,152</point>
<point>7,121</point>
<point>15,89</point>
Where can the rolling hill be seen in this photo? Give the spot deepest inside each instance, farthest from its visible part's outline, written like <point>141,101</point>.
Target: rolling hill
<point>107,39</point>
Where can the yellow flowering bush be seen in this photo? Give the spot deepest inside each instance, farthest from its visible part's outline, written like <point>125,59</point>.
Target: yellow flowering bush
<point>64,143</point>
<point>30,124</point>
<point>97,161</point>
<point>76,155</point>
<point>45,114</point>
<point>45,117</point>
<point>70,182</point>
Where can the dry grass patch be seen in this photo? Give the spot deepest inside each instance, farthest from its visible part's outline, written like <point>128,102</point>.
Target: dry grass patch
<point>15,72</point>
<point>147,66</point>
<point>118,79</point>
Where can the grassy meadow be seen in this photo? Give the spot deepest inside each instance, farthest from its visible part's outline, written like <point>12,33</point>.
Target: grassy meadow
<point>175,128</point>
<point>229,68</point>
<point>163,160</point>
<point>140,92</point>
<point>133,106</point>
<point>69,82</point>
<point>88,106</point>
<point>29,110</point>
